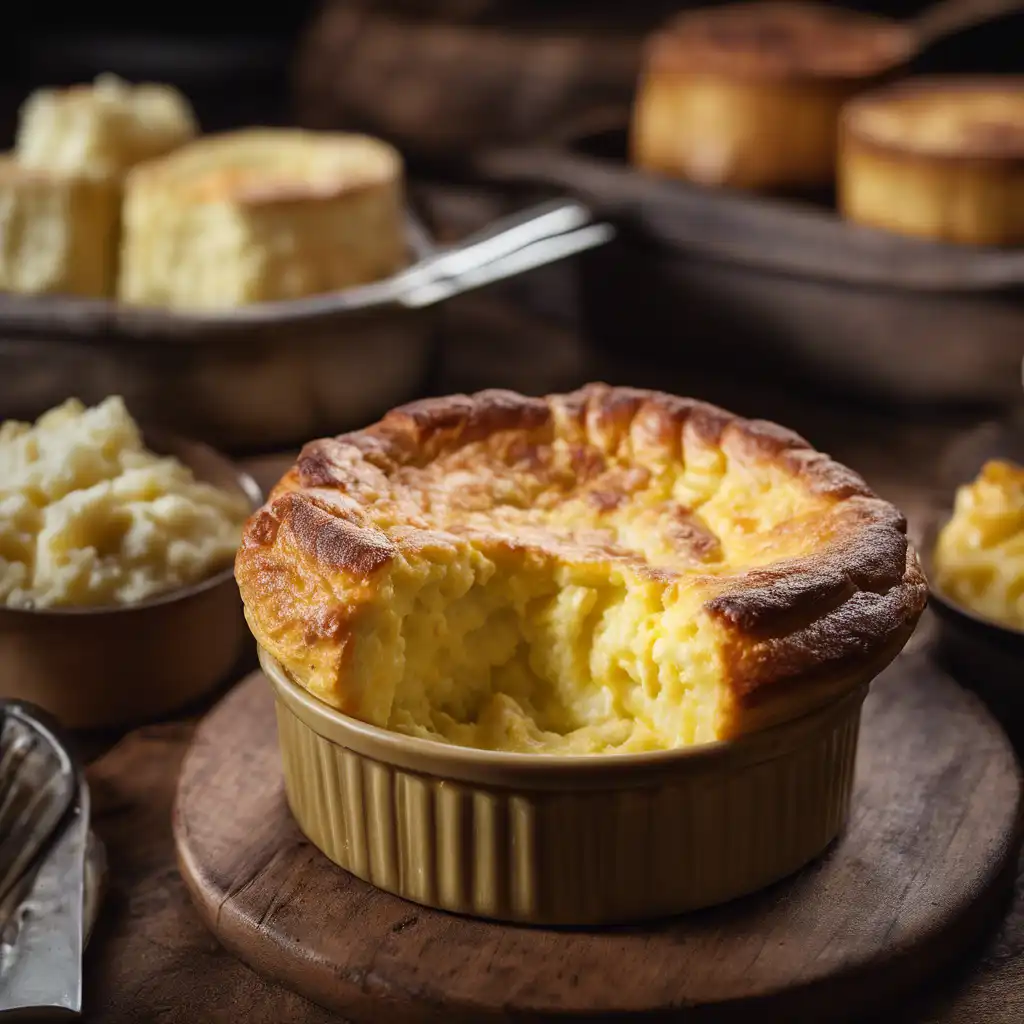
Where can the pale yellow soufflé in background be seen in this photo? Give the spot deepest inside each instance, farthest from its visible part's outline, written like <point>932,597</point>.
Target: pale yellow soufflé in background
<point>90,516</point>
<point>261,215</point>
<point>60,187</point>
<point>605,571</point>
<point>979,557</point>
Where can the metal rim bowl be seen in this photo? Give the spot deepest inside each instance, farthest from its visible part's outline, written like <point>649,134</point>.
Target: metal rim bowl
<point>273,374</point>
<point>984,655</point>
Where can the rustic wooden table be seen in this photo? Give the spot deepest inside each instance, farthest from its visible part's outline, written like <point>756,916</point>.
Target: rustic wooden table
<point>151,959</point>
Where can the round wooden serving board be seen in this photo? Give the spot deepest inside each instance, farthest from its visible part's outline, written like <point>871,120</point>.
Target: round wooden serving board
<point>920,872</point>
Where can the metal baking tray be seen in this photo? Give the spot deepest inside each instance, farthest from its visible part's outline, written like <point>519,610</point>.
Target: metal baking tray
<point>783,288</point>
<point>274,374</point>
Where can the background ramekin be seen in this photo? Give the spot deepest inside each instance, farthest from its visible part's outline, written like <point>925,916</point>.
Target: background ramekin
<point>545,839</point>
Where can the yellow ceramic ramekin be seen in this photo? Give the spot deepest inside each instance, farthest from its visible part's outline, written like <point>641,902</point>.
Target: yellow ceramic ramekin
<point>544,839</point>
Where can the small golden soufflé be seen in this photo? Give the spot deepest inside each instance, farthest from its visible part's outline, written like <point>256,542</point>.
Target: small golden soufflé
<point>610,570</point>
<point>748,95</point>
<point>937,158</point>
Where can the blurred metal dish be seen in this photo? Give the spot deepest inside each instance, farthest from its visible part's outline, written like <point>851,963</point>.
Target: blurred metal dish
<point>46,914</point>
<point>39,781</point>
<point>782,288</point>
<point>272,374</point>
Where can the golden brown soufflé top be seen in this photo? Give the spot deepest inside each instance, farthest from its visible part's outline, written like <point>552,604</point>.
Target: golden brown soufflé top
<point>960,117</point>
<point>611,570</point>
<point>777,39</point>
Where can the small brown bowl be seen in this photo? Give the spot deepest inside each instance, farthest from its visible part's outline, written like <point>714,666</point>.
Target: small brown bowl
<point>984,655</point>
<point>114,666</point>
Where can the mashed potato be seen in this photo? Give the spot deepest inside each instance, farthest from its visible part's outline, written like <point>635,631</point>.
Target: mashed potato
<point>979,557</point>
<point>89,516</point>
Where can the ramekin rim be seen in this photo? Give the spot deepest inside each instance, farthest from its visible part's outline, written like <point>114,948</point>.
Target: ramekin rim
<point>460,763</point>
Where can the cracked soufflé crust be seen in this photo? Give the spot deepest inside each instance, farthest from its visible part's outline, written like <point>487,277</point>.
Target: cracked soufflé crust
<point>802,575</point>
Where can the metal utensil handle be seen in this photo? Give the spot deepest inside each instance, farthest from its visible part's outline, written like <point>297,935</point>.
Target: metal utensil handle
<point>947,17</point>
<point>500,239</point>
<point>540,253</point>
<point>411,287</point>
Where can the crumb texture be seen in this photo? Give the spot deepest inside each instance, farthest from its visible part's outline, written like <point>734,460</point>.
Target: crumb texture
<point>58,233</point>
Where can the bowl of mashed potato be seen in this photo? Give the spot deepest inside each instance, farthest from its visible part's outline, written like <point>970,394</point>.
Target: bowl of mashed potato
<point>117,601</point>
<point>975,562</point>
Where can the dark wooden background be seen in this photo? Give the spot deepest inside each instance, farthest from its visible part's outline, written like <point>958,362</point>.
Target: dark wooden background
<point>237,59</point>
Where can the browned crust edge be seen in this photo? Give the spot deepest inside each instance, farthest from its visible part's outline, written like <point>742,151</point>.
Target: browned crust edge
<point>791,625</point>
<point>662,51</point>
<point>853,136</point>
<point>149,176</point>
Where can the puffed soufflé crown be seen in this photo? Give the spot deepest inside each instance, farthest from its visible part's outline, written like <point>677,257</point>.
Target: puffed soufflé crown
<point>611,569</point>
